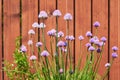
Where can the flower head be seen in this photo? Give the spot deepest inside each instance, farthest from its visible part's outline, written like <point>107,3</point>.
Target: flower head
<point>81,37</point>
<point>99,50</point>
<point>88,45</point>
<point>61,44</point>
<point>42,14</point>
<point>57,13</point>
<point>23,49</point>
<point>92,40</point>
<point>96,24</point>
<point>107,65</point>
<point>30,42</point>
<point>35,25</point>
<point>88,34</point>
<point>103,39</point>
<point>91,48</point>
<point>71,38</point>
<point>33,57</point>
<point>60,34</point>
<point>51,32</point>
<point>61,71</point>
<point>39,44</point>
<point>44,53</point>
<point>114,55</point>
<point>42,25</point>
<point>31,31</point>
<point>114,48</point>
<point>68,16</point>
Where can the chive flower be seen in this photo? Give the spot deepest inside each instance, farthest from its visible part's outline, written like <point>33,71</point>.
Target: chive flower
<point>92,40</point>
<point>88,34</point>
<point>42,25</point>
<point>61,71</point>
<point>99,50</point>
<point>39,44</point>
<point>35,25</point>
<point>57,13</point>
<point>33,57</point>
<point>61,44</point>
<point>107,65</point>
<point>43,14</point>
<point>68,16</point>
<point>30,42</point>
<point>91,48</point>
<point>23,49</point>
<point>44,53</point>
<point>60,34</point>
<point>103,39</point>
<point>88,45</point>
<point>114,48</point>
<point>80,37</point>
<point>51,32</point>
<point>31,32</point>
<point>96,24</point>
<point>114,55</point>
<point>71,38</point>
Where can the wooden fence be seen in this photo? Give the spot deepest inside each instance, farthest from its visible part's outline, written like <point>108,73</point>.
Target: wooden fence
<point>17,16</point>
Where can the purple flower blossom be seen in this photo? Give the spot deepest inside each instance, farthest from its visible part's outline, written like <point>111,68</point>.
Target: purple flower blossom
<point>60,44</point>
<point>57,13</point>
<point>45,53</point>
<point>61,71</point>
<point>91,48</point>
<point>30,42</point>
<point>99,44</point>
<point>114,55</point>
<point>60,34</point>
<point>31,31</point>
<point>107,65</point>
<point>81,37</point>
<point>99,50</point>
<point>51,32</point>
<point>88,34</point>
<point>92,40</point>
<point>42,25</point>
<point>35,25</point>
<point>68,16</point>
<point>23,49</point>
<point>39,44</point>
<point>114,48</point>
<point>103,39</point>
<point>33,57</point>
<point>96,24</point>
<point>71,38</point>
<point>42,14</point>
<point>88,45</point>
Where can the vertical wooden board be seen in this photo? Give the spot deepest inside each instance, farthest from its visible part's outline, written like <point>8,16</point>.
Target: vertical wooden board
<point>29,16</point>
<point>114,38</point>
<point>100,13</point>
<point>83,24</point>
<point>0,39</point>
<point>11,28</point>
<point>49,7</point>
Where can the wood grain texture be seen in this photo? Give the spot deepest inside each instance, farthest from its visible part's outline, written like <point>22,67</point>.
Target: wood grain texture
<point>29,16</point>
<point>100,13</point>
<point>0,39</point>
<point>11,28</point>
<point>114,38</point>
<point>83,24</point>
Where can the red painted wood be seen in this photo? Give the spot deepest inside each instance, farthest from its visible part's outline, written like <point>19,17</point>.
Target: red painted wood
<point>11,28</point>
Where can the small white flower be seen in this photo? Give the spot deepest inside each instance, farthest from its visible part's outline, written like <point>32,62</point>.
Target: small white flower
<point>33,57</point>
<point>43,14</point>
<point>31,31</point>
<point>81,37</point>
<point>30,42</point>
<point>68,16</point>
<point>60,34</point>
<point>35,25</point>
<point>42,25</point>
<point>57,13</point>
<point>107,65</point>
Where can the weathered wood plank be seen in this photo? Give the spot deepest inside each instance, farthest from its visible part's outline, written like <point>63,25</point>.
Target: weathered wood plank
<point>0,39</point>
<point>100,13</point>
<point>83,24</point>
<point>114,38</point>
<point>11,28</point>
<point>29,16</point>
